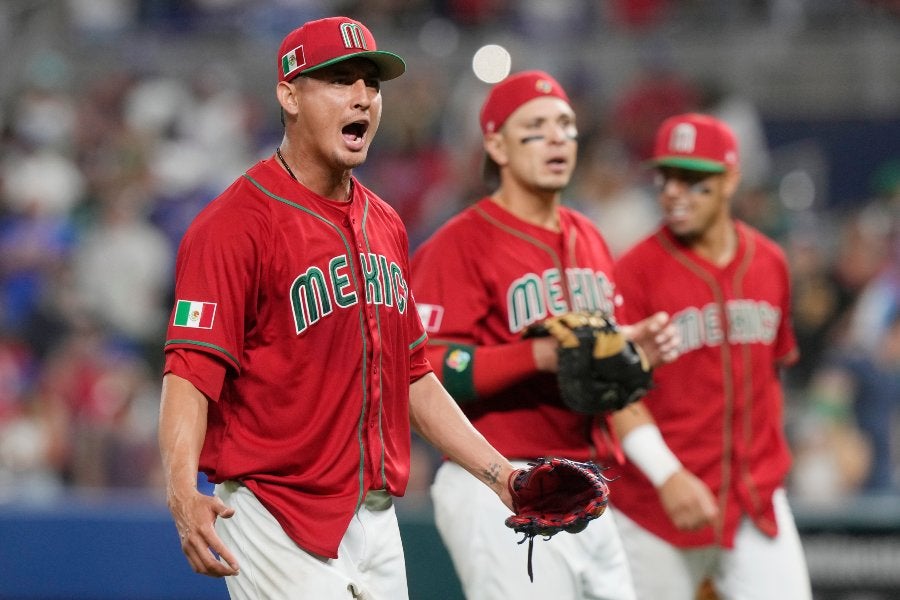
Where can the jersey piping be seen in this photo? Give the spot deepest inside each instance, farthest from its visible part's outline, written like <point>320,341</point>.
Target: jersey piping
<point>554,256</point>
<point>380,357</point>
<point>728,390</point>
<point>360,428</point>
<point>748,378</point>
<point>727,358</point>
<point>419,341</point>
<point>215,347</point>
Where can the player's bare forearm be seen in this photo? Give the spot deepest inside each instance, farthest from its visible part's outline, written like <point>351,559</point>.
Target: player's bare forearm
<point>182,427</point>
<point>631,417</point>
<point>438,419</point>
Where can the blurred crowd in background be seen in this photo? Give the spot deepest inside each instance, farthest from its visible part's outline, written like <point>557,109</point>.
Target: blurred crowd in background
<point>121,119</point>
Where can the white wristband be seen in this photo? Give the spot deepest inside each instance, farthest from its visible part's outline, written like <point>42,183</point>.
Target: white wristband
<point>646,448</point>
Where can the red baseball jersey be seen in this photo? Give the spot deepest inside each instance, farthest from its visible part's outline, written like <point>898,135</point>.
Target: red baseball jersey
<point>719,405</point>
<point>484,277</point>
<point>307,303</point>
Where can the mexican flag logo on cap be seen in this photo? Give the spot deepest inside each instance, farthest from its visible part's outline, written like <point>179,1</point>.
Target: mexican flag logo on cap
<point>198,315</point>
<point>292,60</point>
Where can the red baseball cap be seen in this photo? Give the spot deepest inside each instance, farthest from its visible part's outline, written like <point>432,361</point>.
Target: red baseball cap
<point>514,91</point>
<point>695,142</point>
<point>324,42</point>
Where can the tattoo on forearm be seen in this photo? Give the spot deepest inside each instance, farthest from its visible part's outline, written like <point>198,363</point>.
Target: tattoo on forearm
<point>492,474</point>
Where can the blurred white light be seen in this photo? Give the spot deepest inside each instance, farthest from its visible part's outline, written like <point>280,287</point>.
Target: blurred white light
<point>797,190</point>
<point>491,63</point>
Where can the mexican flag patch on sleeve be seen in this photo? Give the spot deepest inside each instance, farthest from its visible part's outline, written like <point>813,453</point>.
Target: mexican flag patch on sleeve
<point>198,315</point>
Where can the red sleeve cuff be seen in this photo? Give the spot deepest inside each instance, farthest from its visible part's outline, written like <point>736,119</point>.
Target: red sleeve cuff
<point>203,370</point>
<point>418,364</point>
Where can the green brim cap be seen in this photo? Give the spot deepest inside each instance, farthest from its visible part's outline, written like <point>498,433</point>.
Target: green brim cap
<point>690,164</point>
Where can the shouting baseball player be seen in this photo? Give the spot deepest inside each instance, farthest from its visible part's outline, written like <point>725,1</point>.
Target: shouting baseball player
<point>701,494</point>
<point>512,260</point>
<point>295,359</point>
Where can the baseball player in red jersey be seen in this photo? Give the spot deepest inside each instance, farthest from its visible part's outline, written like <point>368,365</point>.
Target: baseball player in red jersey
<point>510,260</point>
<point>295,360</point>
<point>701,493</point>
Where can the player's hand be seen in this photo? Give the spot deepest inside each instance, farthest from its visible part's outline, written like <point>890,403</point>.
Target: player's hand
<point>545,354</point>
<point>505,493</point>
<point>688,502</point>
<point>195,515</point>
<point>657,336</point>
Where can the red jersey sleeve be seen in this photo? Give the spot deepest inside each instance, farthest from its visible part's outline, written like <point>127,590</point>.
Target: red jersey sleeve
<point>203,370</point>
<point>219,265</point>
<point>786,342</point>
<point>456,305</point>
<point>630,285</point>
<point>419,366</point>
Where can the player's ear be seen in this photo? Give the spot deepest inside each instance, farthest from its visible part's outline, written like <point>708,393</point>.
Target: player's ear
<point>731,182</point>
<point>288,97</point>
<point>495,147</point>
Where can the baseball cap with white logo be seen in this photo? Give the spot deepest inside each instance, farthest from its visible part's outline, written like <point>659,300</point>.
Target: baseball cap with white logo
<point>318,44</point>
<point>695,142</point>
<point>514,91</point>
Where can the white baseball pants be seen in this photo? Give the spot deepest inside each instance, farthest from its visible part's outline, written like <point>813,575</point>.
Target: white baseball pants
<point>757,568</point>
<point>491,565</point>
<point>370,563</point>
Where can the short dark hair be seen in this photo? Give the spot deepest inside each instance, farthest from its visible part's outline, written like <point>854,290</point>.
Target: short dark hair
<point>490,171</point>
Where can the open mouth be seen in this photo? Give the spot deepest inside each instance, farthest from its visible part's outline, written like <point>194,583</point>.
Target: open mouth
<point>355,131</point>
<point>557,164</point>
<point>678,211</point>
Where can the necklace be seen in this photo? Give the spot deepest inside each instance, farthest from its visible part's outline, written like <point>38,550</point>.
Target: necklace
<point>294,177</point>
<point>284,162</point>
